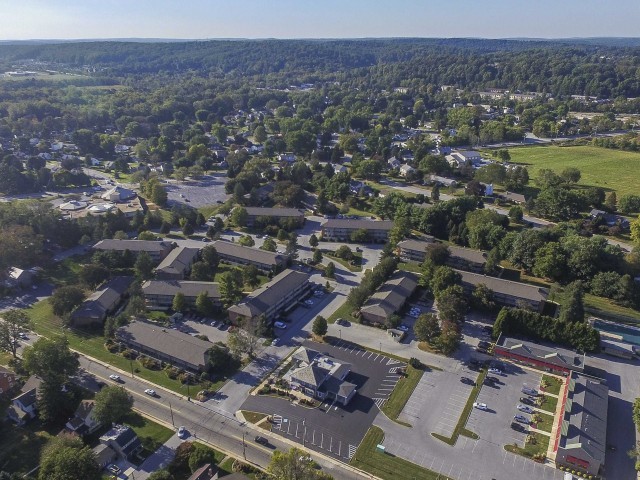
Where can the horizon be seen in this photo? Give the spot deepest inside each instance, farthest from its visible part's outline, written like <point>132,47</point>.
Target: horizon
<point>38,20</point>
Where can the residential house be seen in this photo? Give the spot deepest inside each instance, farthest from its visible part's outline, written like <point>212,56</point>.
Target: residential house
<point>104,301</point>
<point>407,171</point>
<point>262,193</point>
<point>23,407</point>
<point>171,346</point>
<point>341,229</point>
<point>609,219</point>
<point>287,157</point>
<point>83,422</point>
<point>104,454</point>
<point>507,292</point>
<point>340,169</point>
<point>8,380</point>
<point>157,250</point>
<point>262,216</point>
<point>460,159</point>
<point>177,265</point>
<point>123,440</point>
<point>393,162</point>
<point>282,293</point>
<point>159,294</point>
<point>549,358</point>
<point>389,298</point>
<point>513,197</point>
<point>581,441</point>
<point>321,376</point>
<point>447,182</point>
<point>20,278</point>
<point>235,254</point>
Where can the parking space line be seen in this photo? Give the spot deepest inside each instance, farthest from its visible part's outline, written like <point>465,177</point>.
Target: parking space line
<point>377,355</point>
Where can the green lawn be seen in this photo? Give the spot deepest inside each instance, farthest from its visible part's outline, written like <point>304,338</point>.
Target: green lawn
<point>5,357</point>
<point>346,264</point>
<point>344,311</point>
<point>253,417</point>
<point>608,310</point>
<point>401,393</point>
<point>600,167</point>
<point>67,271</point>
<point>45,323</point>
<point>549,403</point>
<point>20,447</point>
<point>410,267</point>
<point>385,465</point>
<point>530,449</point>
<point>462,421</point>
<point>223,268</point>
<point>545,423</point>
<point>554,384</point>
<point>151,434</point>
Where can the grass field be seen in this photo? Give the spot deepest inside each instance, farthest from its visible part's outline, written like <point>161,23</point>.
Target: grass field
<point>403,390</point>
<point>600,167</point>
<point>609,310</point>
<point>386,465</point>
<point>549,403</point>
<point>151,434</point>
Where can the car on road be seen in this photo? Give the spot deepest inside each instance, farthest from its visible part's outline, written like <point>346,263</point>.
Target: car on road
<point>524,408</point>
<point>529,391</point>
<point>527,401</point>
<point>467,380</point>
<point>518,427</point>
<point>114,469</point>
<point>219,201</point>
<point>403,327</point>
<point>358,249</point>
<point>182,432</point>
<point>521,419</point>
<point>480,405</point>
<point>487,329</point>
<point>280,325</point>
<point>261,440</point>
<point>495,371</point>
<point>150,392</point>
<point>114,377</point>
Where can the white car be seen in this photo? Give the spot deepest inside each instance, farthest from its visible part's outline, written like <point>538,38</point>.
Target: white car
<point>403,327</point>
<point>115,378</point>
<point>182,432</point>
<point>495,371</point>
<point>150,392</point>
<point>308,302</point>
<point>280,325</point>
<point>480,406</point>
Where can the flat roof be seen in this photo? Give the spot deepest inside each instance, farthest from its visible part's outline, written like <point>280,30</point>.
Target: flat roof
<point>189,288</point>
<point>548,353</point>
<point>232,249</point>
<point>274,212</point>
<point>173,343</point>
<point>358,224</point>
<point>506,287</point>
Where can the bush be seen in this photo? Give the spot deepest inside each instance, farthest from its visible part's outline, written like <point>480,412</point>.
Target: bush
<point>415,363</point>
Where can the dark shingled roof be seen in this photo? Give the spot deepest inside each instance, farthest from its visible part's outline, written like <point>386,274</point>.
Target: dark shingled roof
<point>232,249</point>
<point>358,224</point>
<point>392,294</point>
<point>548,354</point>
<point>178,260</point>
<point>274,212</point>
<point>507,287</point>
<point>189,288</point>
<point>133,245</point>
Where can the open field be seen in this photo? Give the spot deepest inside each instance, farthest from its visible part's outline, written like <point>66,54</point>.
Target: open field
<point>600,167</point>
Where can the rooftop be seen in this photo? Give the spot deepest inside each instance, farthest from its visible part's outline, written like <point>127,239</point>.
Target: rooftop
<point>358,224</point>
<point>232,249</point>
<point>274,212</point>
<point>134,245</point>
<point>547,353</point>
<point>505,287</point>
<point>392,294</point>
<point>178,260</point>
<point>189,288</point>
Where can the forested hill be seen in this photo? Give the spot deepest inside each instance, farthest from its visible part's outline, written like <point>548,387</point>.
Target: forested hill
<point>556,67</point>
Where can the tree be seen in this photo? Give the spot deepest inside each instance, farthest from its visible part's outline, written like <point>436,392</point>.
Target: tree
<point>344,252</point>
<point>482,298</point>
<point>12,324</point>
<point>317,257</point>
<point>516,214</point>
<point>93,275</point>
<point>260,134</point>
<point>313,240</point>
<point>179,302</point>
<point>443,278</point>
<point>635,231</point>
<point>204,304</point>
<point>452,305</point>
<point>572,309</point>
<point>570,175</point>
<point>67,458</point>
<point>320,326</point>
<point>199,456</point>
<point>294,465</point>
<point>239,216</point>
<point>330,270</point>
<point>246,241</point>
<point>629,203</point>
<point>65,299</point>
<point>435,193</point>
<point>220,359</point>
<point>449,340</point>
<point>162,474</point>
<point>143,266</point>
<point>269,245</point>
<point>200,271</point>
<point>112,404</point>
<point>427,327</point>
<point>230,289</point>
<point>611,201</point>
<point>244,340</point>
<point>250,276</point>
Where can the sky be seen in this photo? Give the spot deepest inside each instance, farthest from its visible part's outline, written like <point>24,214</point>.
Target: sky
<point>203,19</point>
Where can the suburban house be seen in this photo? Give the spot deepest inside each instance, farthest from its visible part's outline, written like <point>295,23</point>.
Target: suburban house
<point>158,294</point>
<point>609,219</point>
<point>321,376</point>
<point>104,454</point>
<point>545,357</point>
<point>513,197</point>
<point>459,257</point>
<point>262,216</point>
<point>157,250</point>
<point>83,422</point>
<point>446,181</point>
<point>282,293</point>
<point>262,193</point>
<point>390,297</point>
<point>581,440</point>
<point>23,407</point>
<point>341,229</point>
<point>287,157</point>
<point>507,292</point>
<point>177,265</point>
<point>459,159</point>
<point>171,346</point>
<point>406,170</point>
<point>393,162</point>
<point>7,380</point>
<point>20,278</point>
<point>268,262</point>
<point>101,303</point>
<point>123,440</point>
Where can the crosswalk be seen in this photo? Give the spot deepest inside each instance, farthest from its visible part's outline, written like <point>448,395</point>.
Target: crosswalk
<point>393,362</point>
<point>395,369</point>
<point>352,451</point>
<point>379,402</point>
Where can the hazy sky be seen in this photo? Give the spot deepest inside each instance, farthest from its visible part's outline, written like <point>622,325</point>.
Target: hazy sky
<point>67,19</point>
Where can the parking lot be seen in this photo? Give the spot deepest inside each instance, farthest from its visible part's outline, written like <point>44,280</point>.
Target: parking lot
<point>334,429</point>
<point>209,190</point>
<point>214,334</point>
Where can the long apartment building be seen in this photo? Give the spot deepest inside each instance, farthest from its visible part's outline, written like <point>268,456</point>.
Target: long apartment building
<point>266,216</point>
<point>268,262</point>
<point>341,229</point>
<point>157,250</point>
<point>159,294</point>
<point>390,297</point>
<point>283,292</point>
<point>459,257</point>
<point>177,265</point>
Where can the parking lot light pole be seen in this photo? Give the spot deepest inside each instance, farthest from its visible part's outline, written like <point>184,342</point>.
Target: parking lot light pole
<point>340,331</point>
<point>380,347</point>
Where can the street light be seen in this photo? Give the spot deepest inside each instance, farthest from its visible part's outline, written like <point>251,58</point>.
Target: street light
<point>340,331</point>
<point>244,447</point>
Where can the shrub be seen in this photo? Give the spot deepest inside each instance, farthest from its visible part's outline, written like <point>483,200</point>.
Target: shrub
<point>415,363</point>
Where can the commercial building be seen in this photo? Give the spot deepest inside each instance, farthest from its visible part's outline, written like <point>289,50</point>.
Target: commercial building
<point>507,292</point>
<point>157,250</point>
<point>390,297</point>
<point>171,346</point>
<point>283,292</point>
<point>341,230</point>
<point>159,294</point>
<point>581,441</point>
<point>104,301</point>
<point>545,357</point>
<point>268,262</point>
<point>177,264</point>
<point>260,216</point>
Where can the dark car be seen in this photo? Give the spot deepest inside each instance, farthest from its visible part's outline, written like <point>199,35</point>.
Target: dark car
<point>261,440</point>
<point>467,380</point>
<point>527,401</point>
<point>484,345</point>
<point>518,427</point>
<point>493,379</point>
<point>487,329</point>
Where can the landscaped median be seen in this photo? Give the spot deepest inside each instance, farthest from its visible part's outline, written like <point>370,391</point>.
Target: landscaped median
<point>386,465</point>
<point>462,421</point>
<point>401,393</point>
<point>535,447</point>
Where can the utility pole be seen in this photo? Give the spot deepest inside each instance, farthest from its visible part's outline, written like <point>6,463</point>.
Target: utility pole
<point>171,411</point>
<point>131,365</point>
<point>244,447</point>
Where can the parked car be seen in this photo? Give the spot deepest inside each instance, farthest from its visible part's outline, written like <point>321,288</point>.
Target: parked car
<point>275,342</point>
<point>521,419</point>
<point>493,379</point>
<point>495,371</point>
<point>403,327</point>
<point>150,392</point>
<point>280,325</point>
<point>261,440</point>
<point>527,401</point>
<point>529,391</point>
<point>524,408</point>
<point>518,427</point>
<point>467,380</point>
<point>182,432</point>
<point>114,469</point>
<point>479,405</point>
<point>114,377</point>
<point>308,302</point>
<point>214,324</point>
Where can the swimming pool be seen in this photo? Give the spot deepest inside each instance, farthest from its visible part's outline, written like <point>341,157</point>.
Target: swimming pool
<point>625,332</point>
